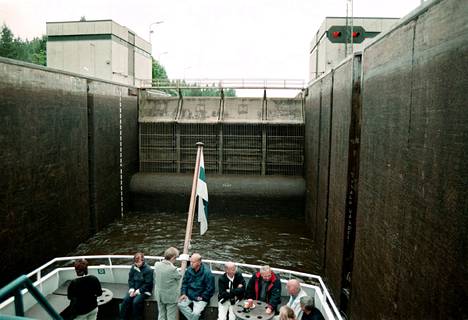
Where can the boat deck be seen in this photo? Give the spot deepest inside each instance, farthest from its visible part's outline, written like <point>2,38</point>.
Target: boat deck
<point>58,299</point>
<point>53,279</point>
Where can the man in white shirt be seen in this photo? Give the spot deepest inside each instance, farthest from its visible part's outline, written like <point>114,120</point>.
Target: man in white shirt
<point>231,289</point>
<point>295,293</point>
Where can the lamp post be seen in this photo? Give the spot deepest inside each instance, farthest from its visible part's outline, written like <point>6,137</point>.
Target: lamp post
<point>185,69</point>
<point>151,31</point>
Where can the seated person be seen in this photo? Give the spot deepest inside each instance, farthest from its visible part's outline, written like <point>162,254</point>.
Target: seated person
<point>83,292</point>
<point>231,289</point>
<point>140,283</point>
<point>309,309</point>
<point>295,293</point>
<point>198,287</point>
<point>286,313</point>
<point>265,286</point>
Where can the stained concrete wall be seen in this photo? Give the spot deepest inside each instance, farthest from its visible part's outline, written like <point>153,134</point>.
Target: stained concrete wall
<point>311,156</point>
<point>154,108</point>
<point>105,102</point>
<point>331,119</point>
<point>338,167</point>
<point>407,176</point>
<point>130,143</point>
<point>243,109</point>
<point>59,141</point>
<point>318,113</point>
<point>411,253</point>
<point>200,109</point>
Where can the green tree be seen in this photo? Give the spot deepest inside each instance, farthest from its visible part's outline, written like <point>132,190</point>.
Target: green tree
<point>39,52</point>
<point>7,43</point>
<point>159,76</point>
<point>208,91</point>
<point>158,72</point>
<point>14,48</point>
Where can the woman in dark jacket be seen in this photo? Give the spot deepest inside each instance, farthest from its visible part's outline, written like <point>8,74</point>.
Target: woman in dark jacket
<point>83,292</point>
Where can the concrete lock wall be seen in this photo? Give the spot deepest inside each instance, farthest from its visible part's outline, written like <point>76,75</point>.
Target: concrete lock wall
<point>396,219</point>
<point>311,154</point>
<point>105,102</point>
<point>59,143</point>
<point>412,222</point>
<point>44,184</point>
<point>331,149</point>
<point>338,173</point>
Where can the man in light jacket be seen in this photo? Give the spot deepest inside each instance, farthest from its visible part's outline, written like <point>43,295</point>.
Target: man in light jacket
<point>295,294</point>
<point>167,279</point>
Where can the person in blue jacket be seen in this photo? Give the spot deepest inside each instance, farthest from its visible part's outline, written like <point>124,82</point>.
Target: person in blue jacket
<point>198,287</point>
<point>140,284</point>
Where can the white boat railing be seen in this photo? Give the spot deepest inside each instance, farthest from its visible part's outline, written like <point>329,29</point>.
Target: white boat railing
<point>215,265</point>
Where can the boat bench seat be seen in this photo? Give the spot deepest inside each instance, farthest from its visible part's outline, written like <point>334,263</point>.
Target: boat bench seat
<point>119,290</point>
<point>59,301</point>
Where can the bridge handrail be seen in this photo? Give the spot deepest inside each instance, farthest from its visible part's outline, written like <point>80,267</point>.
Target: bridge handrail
<point>227,83</point>
<point>38,272</point>
<point>15,287</point>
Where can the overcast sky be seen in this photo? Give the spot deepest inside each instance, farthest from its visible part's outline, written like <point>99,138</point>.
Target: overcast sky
<point>209,38</point>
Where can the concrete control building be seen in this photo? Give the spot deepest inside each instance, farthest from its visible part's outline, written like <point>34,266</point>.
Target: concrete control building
<point>100,48</point>
<point>332,43</point>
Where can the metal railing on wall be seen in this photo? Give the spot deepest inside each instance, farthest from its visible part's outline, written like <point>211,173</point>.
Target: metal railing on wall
<point>227,83</point>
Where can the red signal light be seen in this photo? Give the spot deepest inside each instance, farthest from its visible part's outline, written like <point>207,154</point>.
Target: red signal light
<point>356,34</point>
<point>336,34</point>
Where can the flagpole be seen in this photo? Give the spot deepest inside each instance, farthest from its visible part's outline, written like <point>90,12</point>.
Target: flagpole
<point>191,212</point>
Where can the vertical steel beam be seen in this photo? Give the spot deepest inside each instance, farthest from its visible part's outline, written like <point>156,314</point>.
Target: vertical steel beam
<point>220,149</point>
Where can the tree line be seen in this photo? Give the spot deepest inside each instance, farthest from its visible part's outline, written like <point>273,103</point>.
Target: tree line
<point>12,47</point>
<point>34,51</point>
<point>159,74</point>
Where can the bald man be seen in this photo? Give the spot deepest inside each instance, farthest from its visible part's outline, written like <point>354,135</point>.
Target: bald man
<point>295,294</point>
<point>197,287</point>
<point>231,287</point>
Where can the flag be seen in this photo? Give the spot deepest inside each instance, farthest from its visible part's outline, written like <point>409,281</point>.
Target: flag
<point>202,194</point>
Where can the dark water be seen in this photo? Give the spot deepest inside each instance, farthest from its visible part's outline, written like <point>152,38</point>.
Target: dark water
<point>277,240</point>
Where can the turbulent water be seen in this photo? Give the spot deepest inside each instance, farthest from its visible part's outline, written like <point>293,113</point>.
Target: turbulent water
<point>277,240</point>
